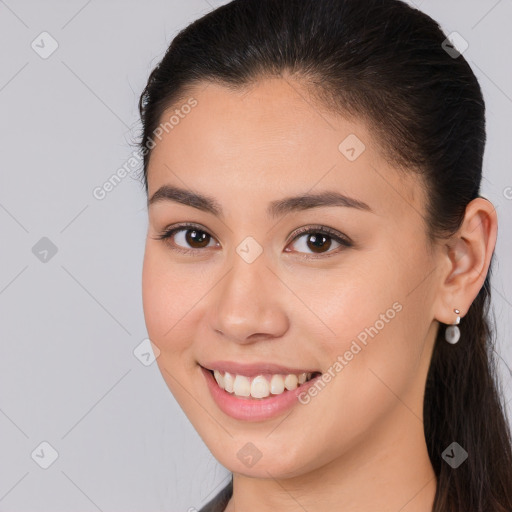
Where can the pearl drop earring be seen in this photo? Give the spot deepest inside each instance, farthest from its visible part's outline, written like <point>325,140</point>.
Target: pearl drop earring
<point>452,332</point>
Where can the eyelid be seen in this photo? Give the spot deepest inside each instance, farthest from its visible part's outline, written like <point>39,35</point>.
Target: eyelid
<point>181,226</point>
<point>169,231</point>
<point>319,228</point>
<point>344,241</point>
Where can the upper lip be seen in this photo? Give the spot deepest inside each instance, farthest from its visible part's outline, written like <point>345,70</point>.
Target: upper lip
<point>253,369</point>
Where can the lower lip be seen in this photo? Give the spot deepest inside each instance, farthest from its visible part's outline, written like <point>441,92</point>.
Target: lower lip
<point>253,409</point>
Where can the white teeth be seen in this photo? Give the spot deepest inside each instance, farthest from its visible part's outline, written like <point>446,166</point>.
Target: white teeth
<point>276,384</point>
<point>242,386</point>
<point>291,381</point>
<point>219,378</point>
<point>228,382</point>
<point>259,386</point>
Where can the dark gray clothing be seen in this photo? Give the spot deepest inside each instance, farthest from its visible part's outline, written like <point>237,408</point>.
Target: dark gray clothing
<point>219,502</point>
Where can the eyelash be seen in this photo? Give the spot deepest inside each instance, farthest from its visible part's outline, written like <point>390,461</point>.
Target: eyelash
<point>323,230</point>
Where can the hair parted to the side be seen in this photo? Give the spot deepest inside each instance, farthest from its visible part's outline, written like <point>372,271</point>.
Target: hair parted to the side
<point>381,61</point>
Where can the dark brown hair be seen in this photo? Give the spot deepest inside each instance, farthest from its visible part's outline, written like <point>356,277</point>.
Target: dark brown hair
<point>382,61</point>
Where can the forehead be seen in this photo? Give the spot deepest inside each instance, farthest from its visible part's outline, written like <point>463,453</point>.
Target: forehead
<point>270,139</point>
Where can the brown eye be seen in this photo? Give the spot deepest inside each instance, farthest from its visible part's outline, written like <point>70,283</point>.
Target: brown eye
<point>197,239</point>
<point>187,239</point>
<point>319,241</point>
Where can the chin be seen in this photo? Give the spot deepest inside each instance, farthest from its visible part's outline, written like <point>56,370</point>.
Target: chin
<point>259,457</point>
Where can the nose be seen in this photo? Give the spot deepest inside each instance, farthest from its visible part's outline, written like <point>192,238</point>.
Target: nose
<point>248,305</point>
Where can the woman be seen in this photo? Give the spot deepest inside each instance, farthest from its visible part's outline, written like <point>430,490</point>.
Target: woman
<point>316,273</point>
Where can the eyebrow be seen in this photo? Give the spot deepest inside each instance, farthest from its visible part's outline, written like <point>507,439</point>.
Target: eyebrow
<point>275,209</point>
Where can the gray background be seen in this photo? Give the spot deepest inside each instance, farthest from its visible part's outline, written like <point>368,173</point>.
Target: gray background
<point>69,325</point>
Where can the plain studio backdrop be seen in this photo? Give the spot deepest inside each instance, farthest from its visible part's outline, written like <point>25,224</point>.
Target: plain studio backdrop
<point>77,392</point>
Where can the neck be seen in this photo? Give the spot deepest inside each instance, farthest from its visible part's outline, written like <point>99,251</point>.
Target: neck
<point>387,470</point>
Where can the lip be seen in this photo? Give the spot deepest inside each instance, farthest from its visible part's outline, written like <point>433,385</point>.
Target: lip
<point>254,369</point>
<point>250,409</point>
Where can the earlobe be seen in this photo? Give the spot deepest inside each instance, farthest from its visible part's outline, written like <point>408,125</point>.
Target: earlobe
<point>468,256</point>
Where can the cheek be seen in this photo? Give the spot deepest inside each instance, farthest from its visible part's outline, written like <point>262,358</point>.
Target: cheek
<point>168,300</point>
<point>380,328</point>
<point>168,296</point>
<point>358,304</point>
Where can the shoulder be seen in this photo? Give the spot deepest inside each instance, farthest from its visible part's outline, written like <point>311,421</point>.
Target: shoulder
<point>219,502</point>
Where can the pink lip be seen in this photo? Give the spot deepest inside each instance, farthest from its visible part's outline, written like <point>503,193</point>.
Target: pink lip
<point>250,409</point>
<point>251,370</point>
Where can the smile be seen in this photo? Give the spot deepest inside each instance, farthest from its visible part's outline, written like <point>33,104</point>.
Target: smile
<point>256,393</point>
<point>261,386</point>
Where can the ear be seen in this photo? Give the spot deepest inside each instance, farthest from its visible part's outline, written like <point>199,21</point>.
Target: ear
<point>465,259</point>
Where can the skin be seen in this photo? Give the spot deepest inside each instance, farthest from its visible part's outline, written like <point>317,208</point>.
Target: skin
<point>359,444</point>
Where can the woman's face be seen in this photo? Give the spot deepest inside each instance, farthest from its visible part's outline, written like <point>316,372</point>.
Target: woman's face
<point>354,303</point>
